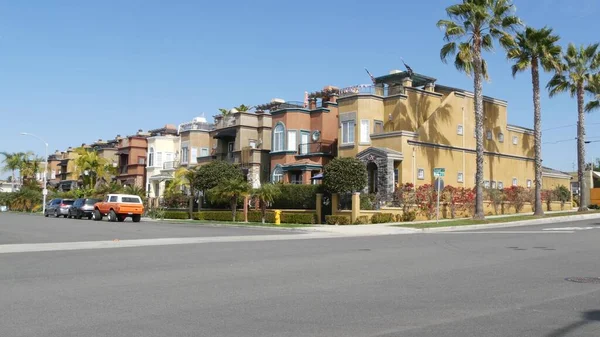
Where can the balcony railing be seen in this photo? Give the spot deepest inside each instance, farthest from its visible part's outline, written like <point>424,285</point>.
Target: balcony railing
<point>171,165</point>
<point>226,121</point>
<point>197,126</point>
<point>371,90</point>
<point>290,105</point>
<point>312,148</point>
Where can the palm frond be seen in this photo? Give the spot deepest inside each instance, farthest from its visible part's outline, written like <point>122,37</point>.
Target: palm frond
<point>447,50</point>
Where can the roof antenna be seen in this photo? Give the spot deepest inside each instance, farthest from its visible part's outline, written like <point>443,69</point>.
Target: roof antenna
<point>371,76</point>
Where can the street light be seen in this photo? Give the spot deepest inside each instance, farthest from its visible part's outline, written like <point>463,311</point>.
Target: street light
<point>45,190</point>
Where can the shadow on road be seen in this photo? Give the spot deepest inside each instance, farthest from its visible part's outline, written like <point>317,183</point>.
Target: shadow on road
<point>586,318</point>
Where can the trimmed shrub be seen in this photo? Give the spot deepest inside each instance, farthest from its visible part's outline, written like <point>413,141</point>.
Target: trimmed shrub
<point>406,216</point>
<point>175,215</point>
<point>383,218</point>
<point>345,175</point>
<point>298,218</point>
<point>516,196</point>
<point>367,201</point>
<point>563,195</point>
<point>295,196</point>
<point>221,215</point>
<point>362,220</point>
<point>337,219</point>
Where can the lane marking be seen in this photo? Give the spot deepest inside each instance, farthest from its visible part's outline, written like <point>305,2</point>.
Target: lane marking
<point>509,232</point>
<point>62,246</point>
<point>568,229</point>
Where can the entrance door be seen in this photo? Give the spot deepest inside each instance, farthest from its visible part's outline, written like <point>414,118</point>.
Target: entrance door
<point>372,174</point>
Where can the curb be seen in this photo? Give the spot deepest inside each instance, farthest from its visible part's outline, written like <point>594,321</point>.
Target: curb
<point>521,223</point>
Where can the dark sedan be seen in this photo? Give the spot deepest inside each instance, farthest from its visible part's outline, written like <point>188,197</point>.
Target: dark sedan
<point>82,207</point>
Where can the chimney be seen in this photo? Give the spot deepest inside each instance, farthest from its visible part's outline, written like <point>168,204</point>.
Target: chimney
<point>407,82</point>
<point>312,103</point>
<point>430,87</point>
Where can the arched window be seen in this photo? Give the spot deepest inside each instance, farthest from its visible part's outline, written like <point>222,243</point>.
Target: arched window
<point>278,137</point>
<point>151,157</point>
<point>277,175</point>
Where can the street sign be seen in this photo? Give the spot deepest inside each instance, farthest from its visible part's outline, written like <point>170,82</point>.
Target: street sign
<point>44,192</point>
<point>439,172</point>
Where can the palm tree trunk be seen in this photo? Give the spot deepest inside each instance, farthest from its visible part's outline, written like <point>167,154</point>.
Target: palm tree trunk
<point>583,189</point>
<point>233,207</point>
<point>537,136</point>
<point>191,204</point>
<point>263,209</point>
<point>13,181</point>
<point>478,107</point>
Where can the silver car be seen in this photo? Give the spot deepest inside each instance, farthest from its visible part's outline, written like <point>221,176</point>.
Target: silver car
<point>58,207</point>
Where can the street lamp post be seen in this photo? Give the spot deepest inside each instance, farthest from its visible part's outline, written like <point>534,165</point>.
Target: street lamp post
<point>44,178</point>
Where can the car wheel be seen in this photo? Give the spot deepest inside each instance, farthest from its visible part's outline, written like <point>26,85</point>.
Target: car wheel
<point>65,216</point>
<point>136,218</point>
<point>112,216</point>
<point>97,216</point>
<point>90,217</point>
<point>46,214</point>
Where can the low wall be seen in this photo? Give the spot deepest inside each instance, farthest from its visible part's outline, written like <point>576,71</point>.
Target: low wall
<point>445,210</point>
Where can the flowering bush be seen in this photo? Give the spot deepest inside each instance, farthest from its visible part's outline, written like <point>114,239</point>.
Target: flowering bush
<point>516,196</point>
<point>426,199</point>
<point>548,197</point>
<point>404,196</point>
<point>496,198</point>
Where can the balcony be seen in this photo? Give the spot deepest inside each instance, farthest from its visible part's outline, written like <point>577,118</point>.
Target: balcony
<point>226,121</point>
<point>377,90</point>
<point>323,148</point>
<point>170,165</point>
<point>197,126</point>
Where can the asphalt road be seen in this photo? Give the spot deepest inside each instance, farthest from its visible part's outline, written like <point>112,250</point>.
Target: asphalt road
<point>509,282</point>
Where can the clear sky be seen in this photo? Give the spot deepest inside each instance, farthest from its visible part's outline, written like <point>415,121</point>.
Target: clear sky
<point>76,71</point>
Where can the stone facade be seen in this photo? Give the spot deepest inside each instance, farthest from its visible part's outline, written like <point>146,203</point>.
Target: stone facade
<point>384,159</point>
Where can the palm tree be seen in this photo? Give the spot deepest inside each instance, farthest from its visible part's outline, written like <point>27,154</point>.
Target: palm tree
<point>535,47</point>
<point>90,166</point>
<point>135,190</point>
<point>266,193</point>
<point>242,108</point>
<point>472,27</point>
<point>593,88</point>
<point>230,190</point>
<point>576,73</point>
<point>224,112</point>
<point>190,178</point>
<point>12,162</point>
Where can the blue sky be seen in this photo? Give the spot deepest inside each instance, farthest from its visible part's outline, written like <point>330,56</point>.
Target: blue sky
<point>75,71</point>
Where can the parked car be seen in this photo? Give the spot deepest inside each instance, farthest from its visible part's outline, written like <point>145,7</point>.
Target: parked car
<point>82,207</point>
<point>117,207</point>
<point>58,207</point>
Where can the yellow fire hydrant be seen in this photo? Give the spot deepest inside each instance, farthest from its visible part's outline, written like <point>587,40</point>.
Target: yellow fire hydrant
<point>277,217</point>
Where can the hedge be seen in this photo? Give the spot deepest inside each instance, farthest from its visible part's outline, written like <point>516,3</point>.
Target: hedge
<point>337,219</point>
<point>383,218</point>
<point>179,215</point>
<point>296,196</point>
<point>256,216</point>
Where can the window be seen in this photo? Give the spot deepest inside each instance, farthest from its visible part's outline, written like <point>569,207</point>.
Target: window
<point>396,176</point>
<point>203,152</point>
<point>151,157</point>
<point>159,159</point>
<point>514,182</point>
<point>365,131</point>
<point>142,160</point>
<point>304,142</point>
<point>348,132</point>
<point>133,200</point>
<point>528,183</point>
<point>53,174</point>
<point>486,184</point>
<point>460,178</point>
<point>501,137</point>
<point>515,140</point>
<point>184,153</point>
<point>252,144</point>
<point>459,130</point>
<point>168,157</point>
<point>113,198</point>
<point>194,156</point>
<point>493,184</point>
<point>291,144</point>
<point>278,137</point>
<point>277,175</point>
<point>378,127</point>
<point>488,135</point>
<point>500,185</point>
<point>421,174</point>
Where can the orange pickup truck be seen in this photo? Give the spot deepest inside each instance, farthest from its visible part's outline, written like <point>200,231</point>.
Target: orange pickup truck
<point>117,207</point>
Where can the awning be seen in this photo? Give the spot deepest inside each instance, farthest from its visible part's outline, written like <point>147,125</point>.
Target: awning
<point>318,176</point>
<point>162,176</point>
<point>225,133</point>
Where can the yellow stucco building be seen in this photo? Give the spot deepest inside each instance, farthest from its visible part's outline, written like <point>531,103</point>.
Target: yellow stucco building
<point>404,126</point>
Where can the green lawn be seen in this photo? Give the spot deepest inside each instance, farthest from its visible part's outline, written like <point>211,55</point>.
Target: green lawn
<point>467,222</point>
<point>240,223</point>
